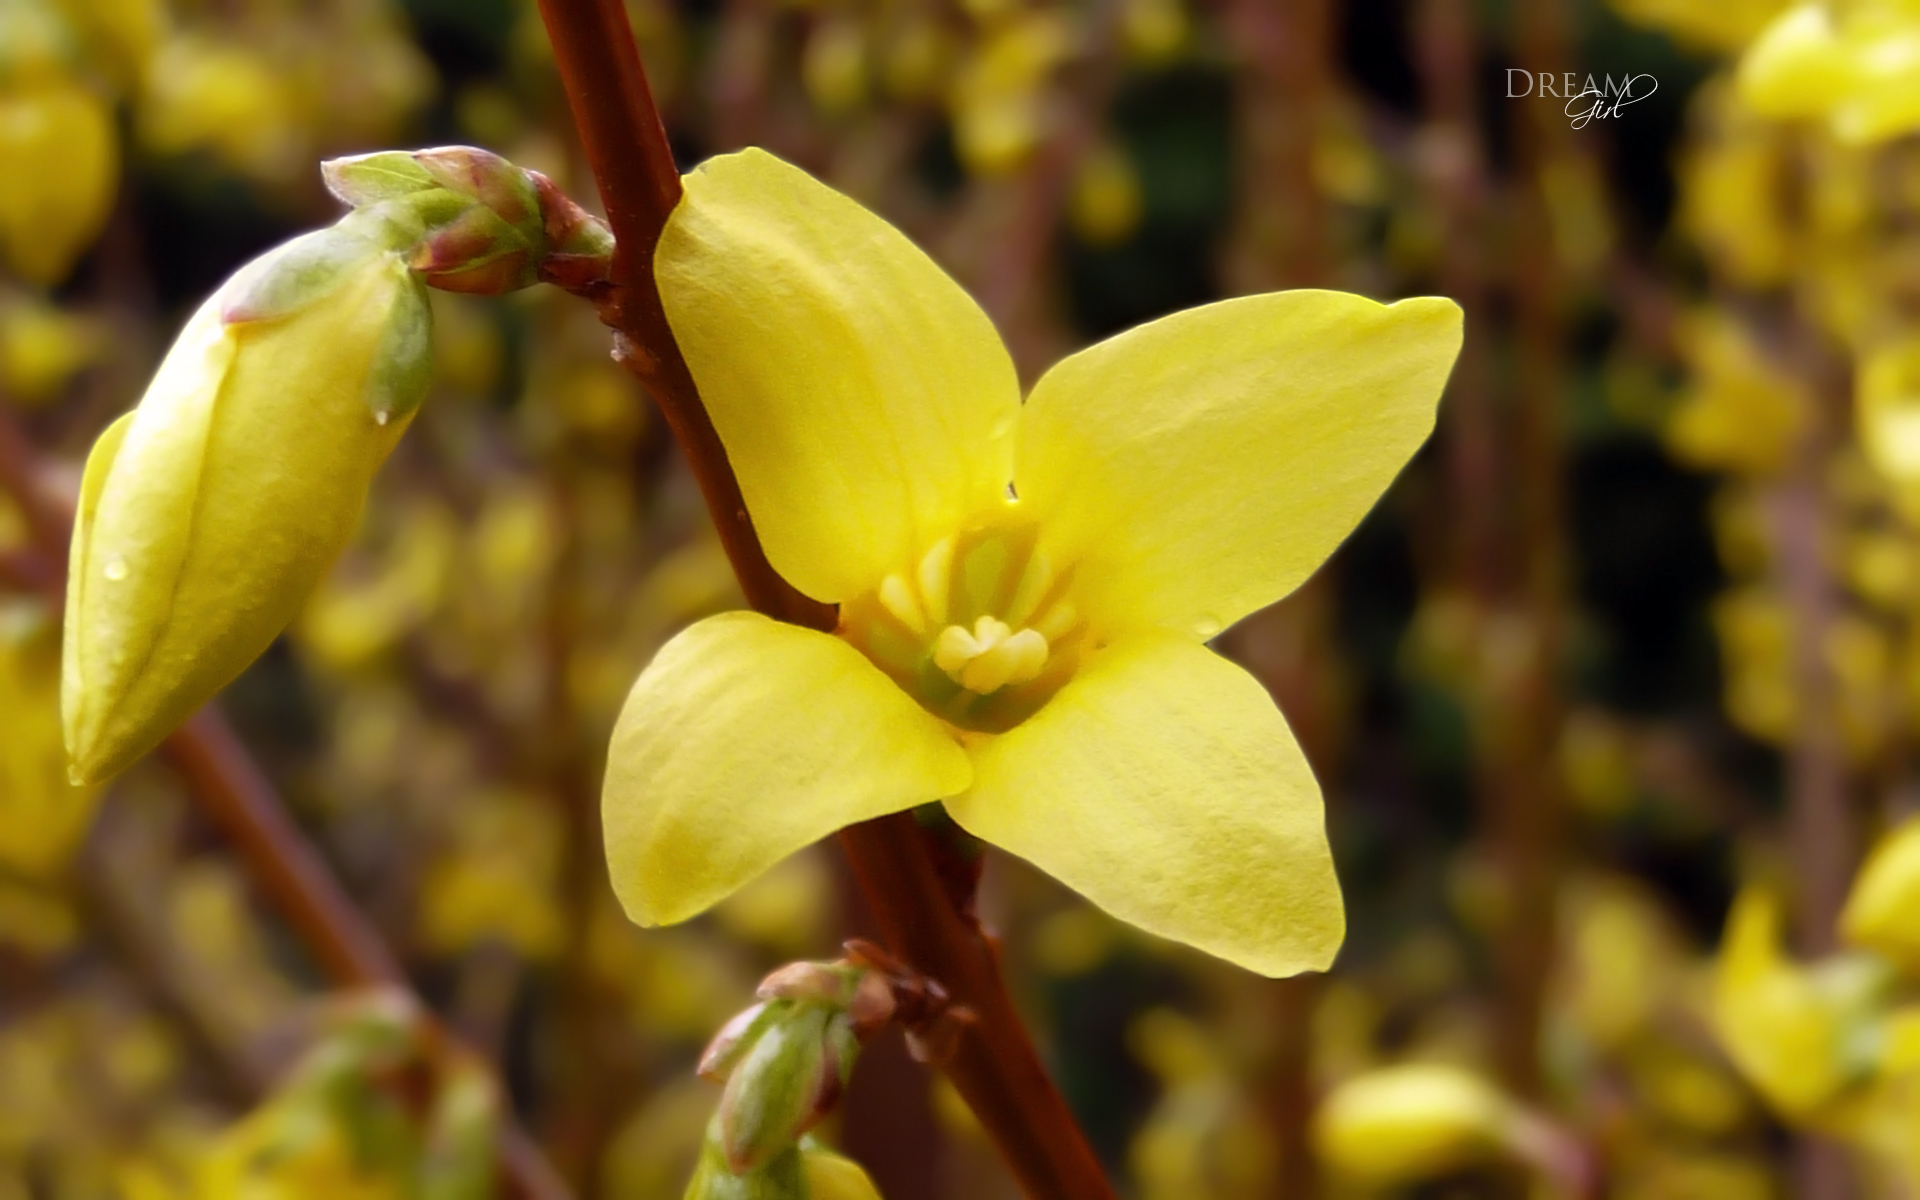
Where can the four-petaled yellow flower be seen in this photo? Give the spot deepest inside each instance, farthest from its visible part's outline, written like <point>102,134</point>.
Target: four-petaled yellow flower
<point>1024,588</point>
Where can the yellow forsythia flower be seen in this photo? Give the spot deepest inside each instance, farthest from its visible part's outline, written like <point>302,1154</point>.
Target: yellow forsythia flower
<point>1887,409</point>
<point>998,97</point>
<point>1104,205</point>
<point>222,97</point>
<point>1883,911</point>
<point>1792,1031</point>
<point>41,349</point>
<point>1403,1124</point>
<point>1711,24</point>
<point>208,513</point>
<point>42,816</point>
<point>1741,410</point>
<point>1860,72</point>
<point>1024,588</point>
<point>61,163</point>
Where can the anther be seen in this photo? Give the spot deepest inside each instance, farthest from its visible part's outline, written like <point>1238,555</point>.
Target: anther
<point>990,656</point>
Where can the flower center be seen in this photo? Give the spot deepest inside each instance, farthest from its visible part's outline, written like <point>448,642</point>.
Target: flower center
<point>980,630</point>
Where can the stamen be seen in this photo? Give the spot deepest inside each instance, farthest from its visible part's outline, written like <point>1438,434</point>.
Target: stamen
<point>1034,582</point>
<point>936,579</point>
<point>1015,660</point>
<point>990,656</point>
<point>1058,621</point>
<point>954,649</point>
<point>897,597</point>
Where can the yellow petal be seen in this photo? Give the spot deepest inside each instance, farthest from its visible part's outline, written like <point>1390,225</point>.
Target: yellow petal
<point>1788,1029</point>
<point>1163,785</point>
<point>831,1177</point>
<point>745,740</point>
<point>1883,910</point>
<point>1204,465</point>
<point>864,399</point>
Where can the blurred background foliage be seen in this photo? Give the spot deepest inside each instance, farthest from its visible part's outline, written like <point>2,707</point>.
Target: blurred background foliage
<point>1633,638</point>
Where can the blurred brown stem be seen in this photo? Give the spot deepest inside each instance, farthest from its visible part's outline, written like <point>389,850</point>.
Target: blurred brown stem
<point>1819,838</point>
<point>1283,89</point>
<point>995,1066</point>
<point>237,797</point>
<point>1526,802</point>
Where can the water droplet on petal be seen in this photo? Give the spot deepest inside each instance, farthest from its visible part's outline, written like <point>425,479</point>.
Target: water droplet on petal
<point>115,569</point>
<point>381,418</point>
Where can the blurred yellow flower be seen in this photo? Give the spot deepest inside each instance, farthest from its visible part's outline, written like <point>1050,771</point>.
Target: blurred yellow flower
<point>224,98</point>
<point>998,98</point>
<point>1024,588</point>
<point>1404,1124</point>
<point>1858,69</point>
<point>60,159</point>
<point>1712,24</point>
<point>1794,1032</point>
<point>1741,410</point>
<point>42,816</point>
<point>1883,910</point>
<point>1105,202</point>
<point>41,349</point>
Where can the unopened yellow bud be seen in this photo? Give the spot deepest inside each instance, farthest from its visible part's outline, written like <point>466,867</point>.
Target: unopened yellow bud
<point>61,162</point>
<point>208,513</point>
<point>1883,912</point>
<point>1407,1123</point>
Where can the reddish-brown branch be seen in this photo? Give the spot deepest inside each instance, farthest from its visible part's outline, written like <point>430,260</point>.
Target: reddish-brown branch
<point>994,1066</point>
<point>238,798</point>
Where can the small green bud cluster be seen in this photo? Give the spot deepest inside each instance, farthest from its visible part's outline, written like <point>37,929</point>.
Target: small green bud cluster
<point>471,221</point>
<point>370,1103</point>
<point>784,1063</point>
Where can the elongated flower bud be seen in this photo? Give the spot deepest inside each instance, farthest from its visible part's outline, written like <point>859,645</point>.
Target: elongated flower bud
<point>786,1083</point>
<point>209,512</point>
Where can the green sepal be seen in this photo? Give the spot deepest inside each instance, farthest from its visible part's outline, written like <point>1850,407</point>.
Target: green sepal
<point>293,277</point>
<point>735,1038</point>
<point>366,179</point>
<point>775,1093</point>
<point>403,366</point>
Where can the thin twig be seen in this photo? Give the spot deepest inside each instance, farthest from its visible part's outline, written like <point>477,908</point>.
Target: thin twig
<point>994,1065</point>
